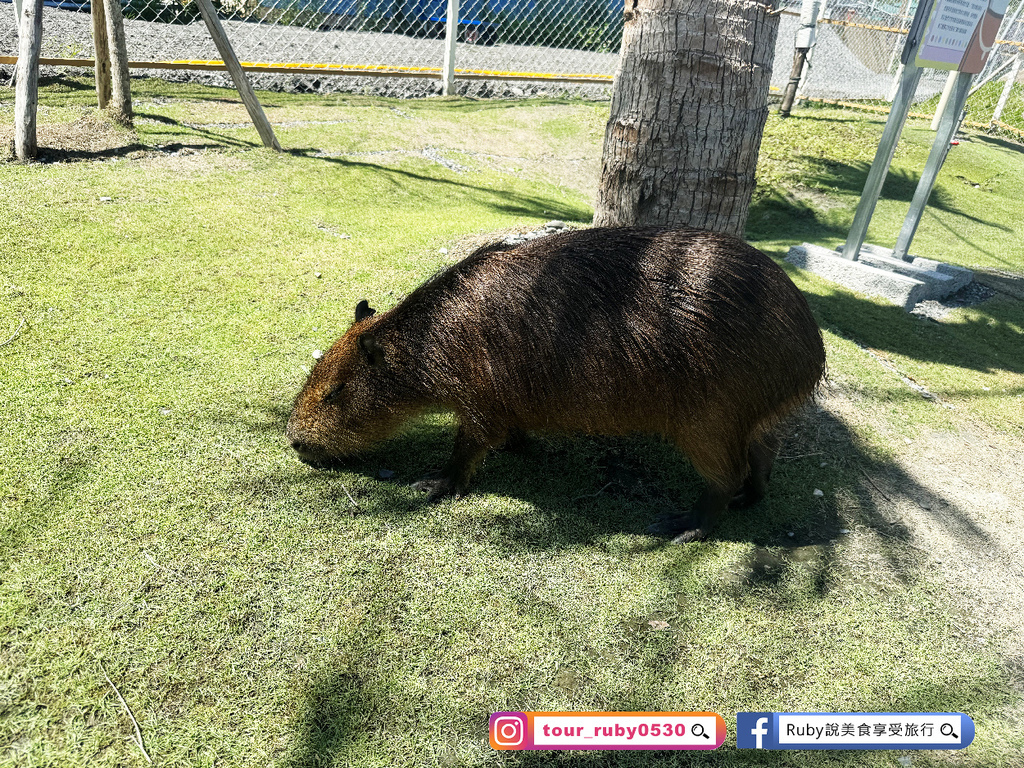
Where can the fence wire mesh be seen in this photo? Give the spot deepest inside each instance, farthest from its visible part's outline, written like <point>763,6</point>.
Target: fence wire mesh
<point>507,48</point>
<point>311,41</point>
<point>856,56</point>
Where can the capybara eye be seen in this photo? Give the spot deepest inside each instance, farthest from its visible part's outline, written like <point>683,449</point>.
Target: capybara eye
<point>334,393</point>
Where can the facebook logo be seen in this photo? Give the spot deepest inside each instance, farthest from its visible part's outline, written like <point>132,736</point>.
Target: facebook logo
<point>754,730</point>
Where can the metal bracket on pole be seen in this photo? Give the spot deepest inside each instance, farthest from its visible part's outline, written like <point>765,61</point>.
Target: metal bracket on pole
<point>451,34</point>
<point>804,43</point>
<point>890,135</point>
<point>948,124</point>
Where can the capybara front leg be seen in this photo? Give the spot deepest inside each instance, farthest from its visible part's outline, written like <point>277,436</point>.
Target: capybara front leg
<point>697,524</point>
<point>454,478</point>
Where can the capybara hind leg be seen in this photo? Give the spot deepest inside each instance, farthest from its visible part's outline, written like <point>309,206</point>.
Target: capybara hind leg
<point>454,478</point>
<point>761,458</point>
<point>517,442</point>
<point>697,524</point>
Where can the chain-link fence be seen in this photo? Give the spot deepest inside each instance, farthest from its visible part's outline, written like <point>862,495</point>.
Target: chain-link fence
<point>856,57</point>
<point>325,45</point>
<point>505,47</point>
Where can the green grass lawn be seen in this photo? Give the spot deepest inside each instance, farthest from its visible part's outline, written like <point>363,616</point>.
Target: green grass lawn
<point>155,524</point>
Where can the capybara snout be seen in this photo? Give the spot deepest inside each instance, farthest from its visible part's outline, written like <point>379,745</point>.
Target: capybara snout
<point>688,334</point>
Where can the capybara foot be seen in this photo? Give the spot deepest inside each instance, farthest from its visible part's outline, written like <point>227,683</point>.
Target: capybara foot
<point>682,528</point>
<point>436,487</point>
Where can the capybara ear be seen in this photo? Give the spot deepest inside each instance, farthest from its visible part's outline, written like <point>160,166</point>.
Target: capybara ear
<point>371,349</point>
<point>364,310</point>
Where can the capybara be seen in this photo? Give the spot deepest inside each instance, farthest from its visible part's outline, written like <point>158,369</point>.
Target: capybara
<point>691,335</point>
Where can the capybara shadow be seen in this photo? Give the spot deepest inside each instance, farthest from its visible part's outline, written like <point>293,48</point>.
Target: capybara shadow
<point>691,335</point>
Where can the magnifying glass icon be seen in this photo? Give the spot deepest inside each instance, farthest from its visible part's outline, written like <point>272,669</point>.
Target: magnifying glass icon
<point>698,730</point>
<point>947,730</point>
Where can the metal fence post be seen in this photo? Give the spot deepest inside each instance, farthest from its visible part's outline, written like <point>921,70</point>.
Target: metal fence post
<point>1014,71</point>
<point>451,34</point>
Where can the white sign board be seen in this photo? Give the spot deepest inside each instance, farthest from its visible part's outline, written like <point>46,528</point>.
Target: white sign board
<point>960,34</point>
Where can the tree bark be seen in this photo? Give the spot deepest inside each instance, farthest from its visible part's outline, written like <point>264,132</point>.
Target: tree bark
<point>102,50</point>
<point>121,91</point>
<point>687,114</point>
<point>26,92</point>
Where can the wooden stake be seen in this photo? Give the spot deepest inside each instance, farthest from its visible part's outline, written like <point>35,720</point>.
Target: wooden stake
<point>102,48</point>
<point>242,85</point>
<point>26,94</point>
<point>121,92</point>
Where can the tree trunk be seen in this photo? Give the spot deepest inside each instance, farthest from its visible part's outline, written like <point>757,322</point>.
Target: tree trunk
<point>102,49</point>
<point>26,93</point>
<point>121,91</point>
<point>690,103</point>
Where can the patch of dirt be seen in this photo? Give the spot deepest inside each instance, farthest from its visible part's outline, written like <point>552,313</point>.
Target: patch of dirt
<point>88,138</point>
<point>970,295</point>
<point>92,138</point>
<point>958,497</point>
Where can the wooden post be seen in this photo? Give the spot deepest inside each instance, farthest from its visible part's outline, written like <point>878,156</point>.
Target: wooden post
<point>102,48</point>
<point>120,92</point>
<point>804,41</point>
<point>26,94</point>
<point>242,85</point>
<point>951,80</point>
<point>451,35</point>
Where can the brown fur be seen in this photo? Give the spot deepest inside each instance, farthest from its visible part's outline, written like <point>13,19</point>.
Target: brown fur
<point>688,334</point>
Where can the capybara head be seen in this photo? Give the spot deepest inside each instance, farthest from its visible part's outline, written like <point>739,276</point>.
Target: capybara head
<point>349,400</point>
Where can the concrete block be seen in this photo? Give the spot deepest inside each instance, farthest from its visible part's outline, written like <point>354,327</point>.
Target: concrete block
<point>901,290</point>
<point>877,273</point>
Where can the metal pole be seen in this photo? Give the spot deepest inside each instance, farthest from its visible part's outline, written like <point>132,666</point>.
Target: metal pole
<point>883,158</point>
<point>940,148</point>
<point>1014,71</point>
<point>890,136</point>
<point>451,34</point>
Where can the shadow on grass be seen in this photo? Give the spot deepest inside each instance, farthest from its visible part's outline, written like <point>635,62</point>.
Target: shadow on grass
<point>900,185</point>
<point>585,493</point>
<point>213,136</point>
<point>503,201</point>
<point>985,343</point>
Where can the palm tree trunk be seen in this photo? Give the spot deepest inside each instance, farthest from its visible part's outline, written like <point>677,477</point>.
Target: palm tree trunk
<point>690,103</point>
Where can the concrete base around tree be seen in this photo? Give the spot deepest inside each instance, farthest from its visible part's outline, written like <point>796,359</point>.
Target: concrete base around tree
<point>877,273</point>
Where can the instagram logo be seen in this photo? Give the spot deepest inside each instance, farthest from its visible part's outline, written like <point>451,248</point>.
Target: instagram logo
<point>508,730</point>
